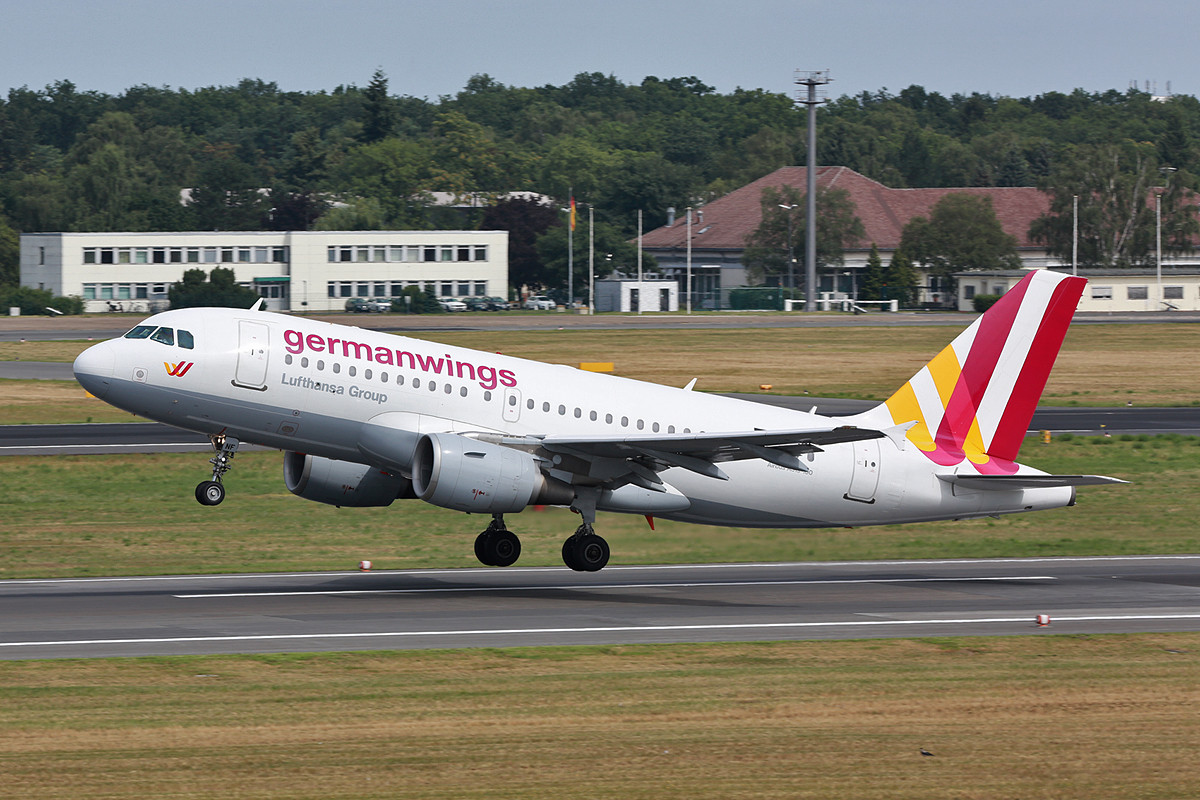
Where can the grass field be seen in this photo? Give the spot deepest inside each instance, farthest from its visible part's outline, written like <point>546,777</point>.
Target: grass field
<point>1046,716</point>
<point>135,514</point>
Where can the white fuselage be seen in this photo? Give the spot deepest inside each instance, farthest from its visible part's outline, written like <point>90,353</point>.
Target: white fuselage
<point>322,389</point>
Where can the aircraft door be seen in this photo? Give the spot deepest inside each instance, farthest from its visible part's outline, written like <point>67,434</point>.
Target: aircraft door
<point>512,405</point>
<point>253,347</point>
<point>864,480</point>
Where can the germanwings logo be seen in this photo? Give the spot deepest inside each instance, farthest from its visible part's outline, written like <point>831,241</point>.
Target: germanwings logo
<point>178,370</point>
<point>973,402</point>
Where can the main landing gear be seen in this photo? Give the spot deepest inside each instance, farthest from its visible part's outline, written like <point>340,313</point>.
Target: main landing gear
<point>583,551</point>
<point>212,492</point>
<point>497,546</point>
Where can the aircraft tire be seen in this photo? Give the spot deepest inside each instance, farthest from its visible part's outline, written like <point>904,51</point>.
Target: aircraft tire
<point>503,548</point>
<point>210,493</point>
<point>586,553</point>
<point>482,542</point>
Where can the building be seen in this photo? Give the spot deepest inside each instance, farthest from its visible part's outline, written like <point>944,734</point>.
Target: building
<point>630,294</point>
<point>1107,290</point>
<point>720,228</point>
<point>293,270</point>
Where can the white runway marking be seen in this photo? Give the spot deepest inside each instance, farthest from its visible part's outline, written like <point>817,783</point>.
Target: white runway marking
<point>576,587</point>
<point>600,629</point>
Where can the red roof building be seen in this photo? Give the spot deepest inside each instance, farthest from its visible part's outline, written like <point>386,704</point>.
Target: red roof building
<point>720,228</point>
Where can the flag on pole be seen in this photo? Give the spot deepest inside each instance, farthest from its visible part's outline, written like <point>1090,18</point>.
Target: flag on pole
<point>572,213</point>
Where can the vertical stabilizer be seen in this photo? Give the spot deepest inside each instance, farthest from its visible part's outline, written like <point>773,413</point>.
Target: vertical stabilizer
<point>975,399</point>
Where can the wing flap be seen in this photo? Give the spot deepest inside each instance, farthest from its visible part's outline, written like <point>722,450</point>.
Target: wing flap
<point>1009,483</point>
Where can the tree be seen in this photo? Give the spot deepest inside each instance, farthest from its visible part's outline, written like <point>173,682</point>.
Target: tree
<point>10,254</point>
<point>379,116</point>
<point>525,220</point>
<point>874,277</point>
<point>613,252</point>
<point>220,289</point>
<point>900,280</point>
<point>1115,185</point>
<point>961,233</point>
<point>838,227</point>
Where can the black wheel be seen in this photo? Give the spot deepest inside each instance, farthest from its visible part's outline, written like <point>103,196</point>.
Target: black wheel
<point>568,554</point>
<point>503,549</point>
<point>592,553</point>
<point>482,549</point>
<point>210,493</point>
<point>587,553</point>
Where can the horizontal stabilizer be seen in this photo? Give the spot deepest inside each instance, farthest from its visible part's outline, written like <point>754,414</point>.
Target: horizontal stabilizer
<point>1009,483</point>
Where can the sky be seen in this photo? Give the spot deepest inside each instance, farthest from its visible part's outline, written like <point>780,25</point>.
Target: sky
<point>430,48</point>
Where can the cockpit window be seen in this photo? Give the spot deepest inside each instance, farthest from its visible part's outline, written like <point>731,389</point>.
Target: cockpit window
<point>185,339</point>
<point>140,332</point>
<point>164,335</point>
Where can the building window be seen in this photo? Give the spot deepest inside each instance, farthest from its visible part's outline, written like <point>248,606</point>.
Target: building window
<point>481,252</point>
<point>1172,292</point>
<point>1102,293</point>
<point>362,254</point>
<point>226,255</point>
<point>332,289</point>
<point>210,255</point>
<point>106,255</point>
<point>481,288</point>
<point>141,256</point>
<point>260,255</point>
<point>243,255</point>
<point>176,255</point>
<point>447,253</point>
<point>464,253</point>
<point>968,291</point>
<point>379,253</point>
<point>1136,293</point>
<point>193,255</point>
<point>123,255</point>
<point>381,290</point>
<point>279,255</point>
<point>447,289</point>
<point>430,254</point>
<point>396,252</point>
<point>89,255</point>
<point>89,291</point>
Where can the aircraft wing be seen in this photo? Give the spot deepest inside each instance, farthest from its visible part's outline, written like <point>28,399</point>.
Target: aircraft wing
<point>635,459</point>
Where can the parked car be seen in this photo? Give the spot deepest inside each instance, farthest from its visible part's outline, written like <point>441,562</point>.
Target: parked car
<point>357,305</point>
<point>452,304</point>
<point>539,302</point>
<point>486,303</point>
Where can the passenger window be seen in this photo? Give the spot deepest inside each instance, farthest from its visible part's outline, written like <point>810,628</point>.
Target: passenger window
<point>165,335</point>
<point>140,332</point>
<point>186,341</point>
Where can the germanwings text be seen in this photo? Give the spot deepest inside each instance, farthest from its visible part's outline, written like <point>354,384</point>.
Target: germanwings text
<point>487,377</point>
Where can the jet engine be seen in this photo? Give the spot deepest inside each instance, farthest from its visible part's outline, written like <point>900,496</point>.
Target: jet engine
<point>456,472</point>
<point>342,483</point>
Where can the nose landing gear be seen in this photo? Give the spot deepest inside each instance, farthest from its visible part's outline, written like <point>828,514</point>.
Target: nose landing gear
<point>212,492</point>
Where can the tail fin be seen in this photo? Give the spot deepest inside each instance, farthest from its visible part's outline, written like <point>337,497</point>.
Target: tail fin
<point>975,399</point>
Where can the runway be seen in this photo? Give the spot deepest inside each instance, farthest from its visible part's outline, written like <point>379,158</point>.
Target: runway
<point>104,617</point>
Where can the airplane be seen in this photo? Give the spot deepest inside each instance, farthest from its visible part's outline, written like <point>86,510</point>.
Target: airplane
<point>366,418</point>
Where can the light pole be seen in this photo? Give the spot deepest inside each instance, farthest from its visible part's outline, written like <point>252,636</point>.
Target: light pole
<point>1158,193</point>
<point>791,250</point>
<point>689,260</point>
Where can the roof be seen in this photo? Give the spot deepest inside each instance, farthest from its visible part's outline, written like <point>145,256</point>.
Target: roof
<point>884,211</point>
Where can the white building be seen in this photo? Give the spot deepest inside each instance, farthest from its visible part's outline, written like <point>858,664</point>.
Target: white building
<point>293,270</point>
<point>629,294</point>
<point>1107,290</point>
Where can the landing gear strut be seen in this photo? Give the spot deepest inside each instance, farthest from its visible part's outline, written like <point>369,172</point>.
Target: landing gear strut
<point>585,551</point>
<point>497,546</point>
<point>212,492</point>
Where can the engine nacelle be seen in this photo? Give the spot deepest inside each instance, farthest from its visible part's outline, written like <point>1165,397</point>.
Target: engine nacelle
<point>453,471</point>
<point>342,483</point>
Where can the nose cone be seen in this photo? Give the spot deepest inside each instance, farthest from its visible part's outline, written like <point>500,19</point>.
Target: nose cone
<point>94,368</point>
